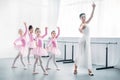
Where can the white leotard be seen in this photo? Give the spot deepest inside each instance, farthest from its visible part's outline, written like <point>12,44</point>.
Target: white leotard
<point>83,55</point>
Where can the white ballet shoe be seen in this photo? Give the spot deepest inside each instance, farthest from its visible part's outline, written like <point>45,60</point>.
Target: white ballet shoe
<point>13,67</point>
<point>35,73</point>
<point>29,63</point>
<point>48,68</point>
<point>25,68</point>
<point>45,73</point>
<point>58,69</point>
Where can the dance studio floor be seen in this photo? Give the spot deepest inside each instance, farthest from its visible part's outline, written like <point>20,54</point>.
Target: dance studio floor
<point>66,72</point>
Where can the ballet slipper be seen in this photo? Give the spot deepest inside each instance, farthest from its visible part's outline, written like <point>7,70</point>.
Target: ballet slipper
<point>25,68</point>
<point>45,73</point>
<point>35,73</point>
<point>75,72</point>
<point>58,69</point>
<point>48,68</point>
<point>13,67</point>
<point>29,63</point>
<point>91,74</point>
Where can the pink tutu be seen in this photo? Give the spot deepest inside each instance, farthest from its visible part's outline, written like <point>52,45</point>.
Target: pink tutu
<point>39,52</point>
<point>54,50</point>
<point>31,44</point>
<point>20,48</point>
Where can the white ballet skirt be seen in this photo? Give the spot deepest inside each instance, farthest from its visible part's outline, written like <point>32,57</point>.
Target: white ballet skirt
<point>83,55</point>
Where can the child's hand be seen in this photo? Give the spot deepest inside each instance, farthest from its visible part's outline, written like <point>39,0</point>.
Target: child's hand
<point>93,5</point>
<point>58,27</point>
<point>46,28</point>
<point>14,44</point>
<point>24,23</point>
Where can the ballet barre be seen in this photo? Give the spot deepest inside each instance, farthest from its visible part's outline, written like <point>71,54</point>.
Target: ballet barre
<point>65,60</point>
<point>106,64</point>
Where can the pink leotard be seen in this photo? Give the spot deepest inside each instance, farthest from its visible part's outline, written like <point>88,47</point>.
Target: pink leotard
<point>39,39</point>
<point>22,39</point>
<point>53,41</point>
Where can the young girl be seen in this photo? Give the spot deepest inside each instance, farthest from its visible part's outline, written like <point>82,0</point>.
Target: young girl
<point>20,47</point>
<point>31,42</point>
<point>84,45</point>
<point>39,51</point>
<point>53,48</point>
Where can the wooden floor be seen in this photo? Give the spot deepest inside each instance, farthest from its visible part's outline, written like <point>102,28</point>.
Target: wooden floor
<point>66,72</point>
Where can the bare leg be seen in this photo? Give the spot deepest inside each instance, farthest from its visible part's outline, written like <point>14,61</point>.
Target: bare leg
<point>15,60</point>
<point>28,56</point>
<point>75,69</point>
<point>54,61</point>
<point>36,60</point>
<point>47,68</point>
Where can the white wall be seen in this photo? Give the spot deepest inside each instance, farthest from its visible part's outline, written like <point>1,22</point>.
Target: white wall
<point>8,26</point>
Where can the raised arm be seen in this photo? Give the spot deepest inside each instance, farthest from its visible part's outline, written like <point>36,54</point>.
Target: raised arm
<point>58,32</point>
<point>25,29</point>
<point>46,31</point>
<point>93,5</point>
